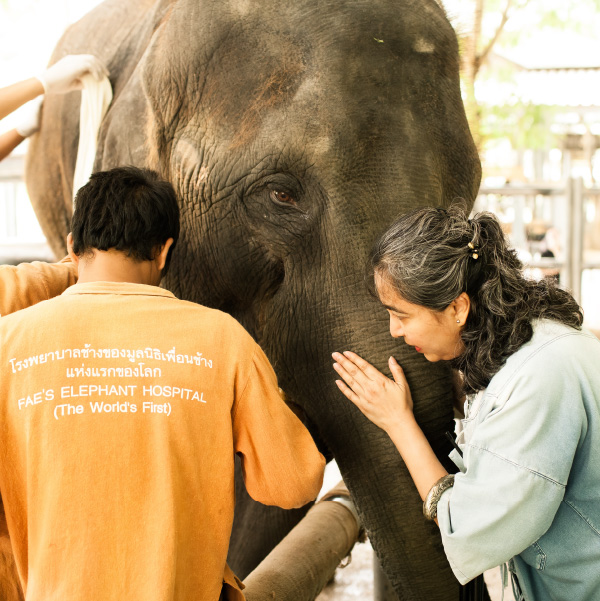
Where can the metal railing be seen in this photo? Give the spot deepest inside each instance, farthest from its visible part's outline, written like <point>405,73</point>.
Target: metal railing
<point>11,187</point>
<point>21,238</point>
<point>560,206</point>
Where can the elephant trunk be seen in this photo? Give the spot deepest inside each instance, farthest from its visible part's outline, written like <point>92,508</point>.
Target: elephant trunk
<point>389,506</point>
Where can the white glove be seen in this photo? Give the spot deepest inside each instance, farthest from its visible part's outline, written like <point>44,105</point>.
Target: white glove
<point>30,117</point>
<point>65,75</point>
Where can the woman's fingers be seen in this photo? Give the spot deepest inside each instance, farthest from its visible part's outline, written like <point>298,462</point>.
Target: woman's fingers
<point>371,372</point>
<point>350,367</point>
<point>362,377</point>
<point>351,379</point>
<point>400,379</point>
<point>380,399</point>
<point>361,403</point>
<point>357,367</point>
<point>350,394</point>
<point>397,371</point>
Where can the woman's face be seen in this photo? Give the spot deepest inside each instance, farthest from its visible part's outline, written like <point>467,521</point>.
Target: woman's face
<point>435,334</point>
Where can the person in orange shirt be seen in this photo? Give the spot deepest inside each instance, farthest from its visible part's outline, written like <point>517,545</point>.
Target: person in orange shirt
<point>122,409</point>
<point>26,284</point>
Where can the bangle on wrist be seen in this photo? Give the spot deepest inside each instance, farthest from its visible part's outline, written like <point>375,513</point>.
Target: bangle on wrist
<point>433,496</point>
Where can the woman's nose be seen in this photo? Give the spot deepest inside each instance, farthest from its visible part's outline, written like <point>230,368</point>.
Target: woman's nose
<point>396,329</point>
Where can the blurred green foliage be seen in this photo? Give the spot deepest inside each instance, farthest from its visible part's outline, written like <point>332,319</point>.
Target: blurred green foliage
<point>525,125</point>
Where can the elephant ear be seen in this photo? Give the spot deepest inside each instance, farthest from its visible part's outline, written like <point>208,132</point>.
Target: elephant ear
<point>122,139</point>
<point>115,33</point>
<point>205,70</point>
<point>126,136</point>
<point>169,66</point>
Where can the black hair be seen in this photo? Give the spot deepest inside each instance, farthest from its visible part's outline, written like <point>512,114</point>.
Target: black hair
<point>430,256</point>
<point>128,209</point>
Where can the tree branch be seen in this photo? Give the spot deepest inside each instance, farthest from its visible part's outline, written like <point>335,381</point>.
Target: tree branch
<point>481,58</point>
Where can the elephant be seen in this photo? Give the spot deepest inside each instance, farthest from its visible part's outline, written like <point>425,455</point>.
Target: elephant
<point>293,134</point>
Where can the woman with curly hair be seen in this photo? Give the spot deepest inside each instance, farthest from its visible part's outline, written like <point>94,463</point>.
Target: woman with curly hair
<point>528,490</point>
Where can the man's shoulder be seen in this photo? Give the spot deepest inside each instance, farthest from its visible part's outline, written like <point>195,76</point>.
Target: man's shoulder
<point>29,313</point>
<point>45,318</point>
<point>216,317</point>
<point>63,303</point>
<point>26,284</point>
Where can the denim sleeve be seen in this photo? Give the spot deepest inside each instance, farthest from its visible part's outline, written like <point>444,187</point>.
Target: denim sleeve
<point>493,513</point>
<point>517,463</point>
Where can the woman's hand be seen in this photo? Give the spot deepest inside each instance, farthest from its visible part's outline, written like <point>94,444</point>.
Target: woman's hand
<point>387,403</point>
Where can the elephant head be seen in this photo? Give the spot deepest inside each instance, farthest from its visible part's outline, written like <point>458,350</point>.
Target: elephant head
<point>293,133</point>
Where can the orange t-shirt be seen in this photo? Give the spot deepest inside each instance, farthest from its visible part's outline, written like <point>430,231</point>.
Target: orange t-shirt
<point>29,283</point>
<point>122,408</point>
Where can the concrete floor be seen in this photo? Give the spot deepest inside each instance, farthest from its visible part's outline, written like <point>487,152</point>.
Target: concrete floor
<point>355,581</point>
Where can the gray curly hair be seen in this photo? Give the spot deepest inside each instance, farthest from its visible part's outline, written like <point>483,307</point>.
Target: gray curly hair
<point>431,255</point>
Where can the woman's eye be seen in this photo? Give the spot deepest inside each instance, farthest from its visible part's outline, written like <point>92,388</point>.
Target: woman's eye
<point>282,197</point>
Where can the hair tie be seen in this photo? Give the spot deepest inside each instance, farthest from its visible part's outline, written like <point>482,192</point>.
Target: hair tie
<point>474,251</point>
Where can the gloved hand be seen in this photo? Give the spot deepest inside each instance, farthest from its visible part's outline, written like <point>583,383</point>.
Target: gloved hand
<point>64,76</point>
<point>30,120</point>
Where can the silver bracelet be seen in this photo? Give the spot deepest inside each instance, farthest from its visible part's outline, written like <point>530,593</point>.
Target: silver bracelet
<point>433,496</point>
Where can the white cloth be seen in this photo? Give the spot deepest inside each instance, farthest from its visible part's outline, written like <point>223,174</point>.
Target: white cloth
<point>96,96</point>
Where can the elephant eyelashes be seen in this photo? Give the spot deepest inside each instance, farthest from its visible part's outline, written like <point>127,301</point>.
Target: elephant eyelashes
<point>281,197</point>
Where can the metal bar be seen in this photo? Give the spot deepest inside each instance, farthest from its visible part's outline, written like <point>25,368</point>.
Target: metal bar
<point>306,559</point>
<point>577,238</point>
<point>566,276</point>
<point>534,190</point>
<point>524,190</point>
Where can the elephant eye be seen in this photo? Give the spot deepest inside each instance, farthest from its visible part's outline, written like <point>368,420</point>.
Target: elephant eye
<point>282,197</point>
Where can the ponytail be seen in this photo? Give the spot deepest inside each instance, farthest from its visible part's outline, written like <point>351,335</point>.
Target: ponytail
<point>430,256</point>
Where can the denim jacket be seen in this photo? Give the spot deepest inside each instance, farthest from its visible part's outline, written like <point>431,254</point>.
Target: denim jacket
<point>529,488</point>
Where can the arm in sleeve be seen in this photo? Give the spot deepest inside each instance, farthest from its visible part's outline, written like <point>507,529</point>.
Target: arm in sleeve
<point>29,283</point>
<point>517,466</point>
<point>280,461</point>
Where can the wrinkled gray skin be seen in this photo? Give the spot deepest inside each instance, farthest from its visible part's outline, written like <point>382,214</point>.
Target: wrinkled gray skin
<point>352,110</point>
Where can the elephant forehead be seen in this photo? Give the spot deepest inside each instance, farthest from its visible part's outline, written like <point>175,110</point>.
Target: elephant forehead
<point>324,110</point>
<point>240,61</point>
<point>241,93</point>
